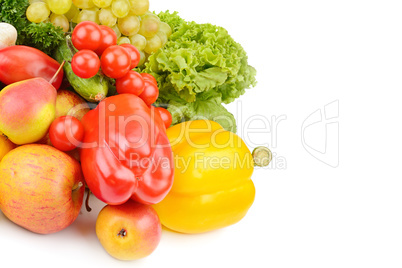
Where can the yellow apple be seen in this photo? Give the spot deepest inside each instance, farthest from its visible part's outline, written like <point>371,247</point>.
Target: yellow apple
<point>41,188</point>
<point>69,103</point>
<point>129,231</point>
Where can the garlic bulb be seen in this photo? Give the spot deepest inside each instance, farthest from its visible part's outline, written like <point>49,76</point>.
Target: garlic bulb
<point>8,35</point>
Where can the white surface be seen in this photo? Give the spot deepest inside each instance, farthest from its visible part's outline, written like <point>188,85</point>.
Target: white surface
<point>306,213</point>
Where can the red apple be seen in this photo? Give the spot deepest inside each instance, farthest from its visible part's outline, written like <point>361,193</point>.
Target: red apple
<point>41,188</point>
<point>129,231</point>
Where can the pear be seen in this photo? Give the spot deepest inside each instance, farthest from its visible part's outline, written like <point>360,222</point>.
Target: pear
<point>27,108</point>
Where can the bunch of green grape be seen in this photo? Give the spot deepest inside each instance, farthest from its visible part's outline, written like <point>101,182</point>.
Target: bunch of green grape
<point>130,19</point>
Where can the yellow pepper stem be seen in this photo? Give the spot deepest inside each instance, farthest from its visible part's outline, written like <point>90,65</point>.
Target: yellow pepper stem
<point>262,156</point>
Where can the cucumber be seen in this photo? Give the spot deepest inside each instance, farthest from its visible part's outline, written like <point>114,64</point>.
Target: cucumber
<point>93,89</point>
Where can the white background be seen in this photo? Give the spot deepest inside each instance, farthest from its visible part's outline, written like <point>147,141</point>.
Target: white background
<point>306,213</point>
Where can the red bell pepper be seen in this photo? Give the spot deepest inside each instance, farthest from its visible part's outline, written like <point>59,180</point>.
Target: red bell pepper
<point>125,152</point>
<point>19,63</point>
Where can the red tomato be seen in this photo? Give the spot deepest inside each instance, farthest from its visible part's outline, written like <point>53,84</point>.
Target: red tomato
<point>149,77</point>
<point>86,35</point>
<point>109,38</point>
<point>134,53</point>
<point>150,93</point>
<point>85,63</point>
<point>66,133</point>
<point>165,115</point>
<point>132,83</point>
<point>115,61</point>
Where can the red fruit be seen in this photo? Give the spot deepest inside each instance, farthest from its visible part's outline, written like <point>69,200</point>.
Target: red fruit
<point>134,54</point>
<point>115,62</point>
<point>109,38</point>
<point>149,77</point>
<point>86,35</point>
<point>85,63</point>
<point>150,93</point>
<point>66,133</point>
<point>165,115</point>
<point>132,83</point>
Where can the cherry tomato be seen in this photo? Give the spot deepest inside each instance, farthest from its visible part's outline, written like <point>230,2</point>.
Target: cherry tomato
<point>165,115</point>
<point>66,133</point>
<point>150,93</point>
<point>85,63</point>
<point>134,54</point>
<point>132,83</point>
<point>149,77</point>
<point>115,61</point>
<point>86,35</point>
<point>109,38</point>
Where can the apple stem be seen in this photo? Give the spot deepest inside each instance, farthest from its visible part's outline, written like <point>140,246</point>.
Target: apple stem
<point>79,185</point>
<point>57,73</point>
<point>88,208</point>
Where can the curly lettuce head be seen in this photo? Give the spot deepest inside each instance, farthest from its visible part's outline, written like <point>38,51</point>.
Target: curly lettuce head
<point>198,69</point>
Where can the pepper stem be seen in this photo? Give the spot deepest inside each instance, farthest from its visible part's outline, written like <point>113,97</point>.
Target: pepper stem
<point>88,208</point>
<point>262,156</point>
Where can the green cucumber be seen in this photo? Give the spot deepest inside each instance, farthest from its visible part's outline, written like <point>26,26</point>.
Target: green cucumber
<point>93,89</point>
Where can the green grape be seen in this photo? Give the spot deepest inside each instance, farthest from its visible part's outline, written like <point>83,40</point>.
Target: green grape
<point>147,12</point>
<point>88,15</point>
<point>139,41</point>
<point>83,3</point>
<point>37,12</point>
<point>72,12</point>
<point>123,40</point>
<point>142,58</point>
<point>102,3</point>
<point>120,8</point>
<point>116,30</point>
<point>153,44</point>
<point>59,6</point>
<point>163,37</point>
<point>149,25</point>
<point>129,25</point>
<point>107,18</point>
<point>76,17</point>
<point>164,27</point>
<point>139,7</point>
<point>60,21</point>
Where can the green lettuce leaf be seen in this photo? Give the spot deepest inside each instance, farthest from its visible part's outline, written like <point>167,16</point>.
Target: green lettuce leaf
<point>208,106</point>
<point>198,69</point>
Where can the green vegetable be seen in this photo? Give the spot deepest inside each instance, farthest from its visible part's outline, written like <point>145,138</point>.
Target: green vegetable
<point>43,36</point>
<point>198,69</point>
<point>93,89</point>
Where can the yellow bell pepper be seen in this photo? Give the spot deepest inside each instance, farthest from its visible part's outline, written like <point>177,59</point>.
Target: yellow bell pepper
<point>212,188</point>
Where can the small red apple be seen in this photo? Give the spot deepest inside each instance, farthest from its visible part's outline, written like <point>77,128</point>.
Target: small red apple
<point>128,231</point>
